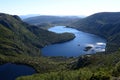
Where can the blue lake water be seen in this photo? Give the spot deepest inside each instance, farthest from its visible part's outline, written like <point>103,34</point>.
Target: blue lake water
<point>76,46</point>
<point>10,71</point>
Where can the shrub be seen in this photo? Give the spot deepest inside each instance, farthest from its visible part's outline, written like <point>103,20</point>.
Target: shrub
<point>116,70</point>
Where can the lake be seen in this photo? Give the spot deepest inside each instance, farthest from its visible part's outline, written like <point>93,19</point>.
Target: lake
<point>75,47</point>
<point>10,71</point>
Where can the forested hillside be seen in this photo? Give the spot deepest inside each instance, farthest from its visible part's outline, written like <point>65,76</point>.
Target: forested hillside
<point>22,38</point>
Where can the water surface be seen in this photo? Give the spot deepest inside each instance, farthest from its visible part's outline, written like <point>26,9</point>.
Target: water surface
<point>76,46</point>
<point>10,71</point>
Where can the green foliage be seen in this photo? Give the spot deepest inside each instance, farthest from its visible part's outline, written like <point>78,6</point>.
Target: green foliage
<point>40,64</point>
<point>83,74</point>
<point>98,60</point>
<point>46,37</point>
<point>101,67</point>
<point>116,70</point>
<point>100,77</point>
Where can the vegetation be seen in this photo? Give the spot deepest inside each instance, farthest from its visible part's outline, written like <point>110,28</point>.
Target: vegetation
<point>99,66</point>
<point>61,75</point>
<point>40,64</point>
<point>45,26</point>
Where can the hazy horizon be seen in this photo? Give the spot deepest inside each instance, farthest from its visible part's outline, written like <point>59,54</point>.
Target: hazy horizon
<point>58,7</point>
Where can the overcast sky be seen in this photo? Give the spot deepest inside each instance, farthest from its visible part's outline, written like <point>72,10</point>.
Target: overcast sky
<point>58,7</point>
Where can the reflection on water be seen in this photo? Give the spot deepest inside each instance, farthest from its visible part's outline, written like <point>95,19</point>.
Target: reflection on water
<point>98,47</point>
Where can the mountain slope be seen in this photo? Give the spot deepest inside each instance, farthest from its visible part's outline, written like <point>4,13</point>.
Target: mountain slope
<point>22,38</point>
<point>13,36</point>
<point>105,24</point>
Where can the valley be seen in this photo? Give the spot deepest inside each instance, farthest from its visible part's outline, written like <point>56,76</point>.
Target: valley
<point>21,43</point>
<point>75,47</point>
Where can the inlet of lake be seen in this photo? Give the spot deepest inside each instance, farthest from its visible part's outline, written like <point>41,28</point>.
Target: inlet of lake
<point>75,47</point>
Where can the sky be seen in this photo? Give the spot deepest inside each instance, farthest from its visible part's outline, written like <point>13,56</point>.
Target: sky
<point>58,7</point>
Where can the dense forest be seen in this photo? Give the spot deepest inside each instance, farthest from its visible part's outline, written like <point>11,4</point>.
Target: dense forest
<point>20,43</point>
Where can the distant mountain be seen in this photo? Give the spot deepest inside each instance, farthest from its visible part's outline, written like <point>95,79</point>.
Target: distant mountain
<point>18,37</point>
<point>105,24</point>
<point>55,20</point>
<point>27,16</point>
